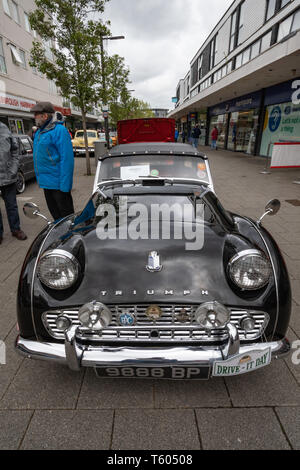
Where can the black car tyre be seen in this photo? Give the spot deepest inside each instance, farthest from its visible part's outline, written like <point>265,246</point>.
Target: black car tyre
<point>20,184</point>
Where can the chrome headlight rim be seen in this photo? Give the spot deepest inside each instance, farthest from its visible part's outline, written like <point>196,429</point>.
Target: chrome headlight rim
<point>62,254</point>
<point>246,254</point>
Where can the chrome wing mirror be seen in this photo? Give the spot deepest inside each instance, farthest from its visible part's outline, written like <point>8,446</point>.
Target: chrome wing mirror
<point>32,211</point>
<point>272,208</point>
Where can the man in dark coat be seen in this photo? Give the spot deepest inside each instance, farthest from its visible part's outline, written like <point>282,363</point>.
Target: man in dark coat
<point>9,164</point>
<point>195,136</point>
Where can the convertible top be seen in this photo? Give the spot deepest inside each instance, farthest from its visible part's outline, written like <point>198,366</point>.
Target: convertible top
<point>154,148</point>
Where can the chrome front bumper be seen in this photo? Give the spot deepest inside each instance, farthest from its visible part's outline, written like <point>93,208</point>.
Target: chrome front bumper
<point>74,355</point>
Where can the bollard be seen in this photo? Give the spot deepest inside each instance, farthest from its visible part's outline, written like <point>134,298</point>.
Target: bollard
<point>100,150</point>
<point>268,163</point>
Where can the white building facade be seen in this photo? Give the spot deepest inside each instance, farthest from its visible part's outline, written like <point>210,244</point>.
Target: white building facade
<point>21,85</point>
<point>244,78</point>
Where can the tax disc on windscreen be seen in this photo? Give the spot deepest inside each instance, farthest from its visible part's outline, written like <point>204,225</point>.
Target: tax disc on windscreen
<point>154,173</point>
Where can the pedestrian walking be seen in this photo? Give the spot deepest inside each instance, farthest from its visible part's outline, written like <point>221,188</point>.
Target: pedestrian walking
<point>195,136</point>
<point>53,160</point>
<point>183,136</point>
<point>176,135</point>
<point>214,138</point>
<point>9,165</point>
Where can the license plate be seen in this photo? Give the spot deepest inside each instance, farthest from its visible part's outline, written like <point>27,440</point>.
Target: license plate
<point>171,373</point>
<point>242,364</point>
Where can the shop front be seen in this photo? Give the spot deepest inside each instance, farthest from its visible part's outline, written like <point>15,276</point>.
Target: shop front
<point>15,113</point>
<point>282,116</point>
<point>237,122</point>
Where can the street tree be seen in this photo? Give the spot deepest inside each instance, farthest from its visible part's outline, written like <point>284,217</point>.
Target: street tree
<point>72,31</point>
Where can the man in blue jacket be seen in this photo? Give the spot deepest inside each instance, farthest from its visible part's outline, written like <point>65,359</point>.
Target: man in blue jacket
<point>53,160</point>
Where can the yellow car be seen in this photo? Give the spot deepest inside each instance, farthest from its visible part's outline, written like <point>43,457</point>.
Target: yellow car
<point>78,142</point>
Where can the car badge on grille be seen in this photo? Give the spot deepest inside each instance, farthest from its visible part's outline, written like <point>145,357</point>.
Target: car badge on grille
<point>154,312</point>
<point>126,318</point>
<point>153,265</point>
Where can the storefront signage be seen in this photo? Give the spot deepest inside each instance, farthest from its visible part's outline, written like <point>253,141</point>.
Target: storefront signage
<point>63,111</point>
<point>15,102</point>
<point>240,104</point>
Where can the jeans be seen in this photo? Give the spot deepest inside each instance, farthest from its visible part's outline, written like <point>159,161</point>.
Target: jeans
<point>60,204</point>
<point>10,200</point>
<point>214,145</point>
<point>195,142</point>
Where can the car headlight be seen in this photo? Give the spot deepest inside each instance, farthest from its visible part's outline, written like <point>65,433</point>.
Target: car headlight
<point>250,270</point>
<point>58,269</point>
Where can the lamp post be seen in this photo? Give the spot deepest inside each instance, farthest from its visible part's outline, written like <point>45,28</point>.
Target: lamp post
<point>105,107</point>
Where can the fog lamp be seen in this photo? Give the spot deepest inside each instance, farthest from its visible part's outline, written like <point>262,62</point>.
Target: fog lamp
<point>212,315</point>
<point>63,322</point>
<point>247,324</point>
<point>95,315</point>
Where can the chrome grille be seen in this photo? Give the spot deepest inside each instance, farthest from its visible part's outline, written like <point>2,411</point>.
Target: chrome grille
<point>167,328</point>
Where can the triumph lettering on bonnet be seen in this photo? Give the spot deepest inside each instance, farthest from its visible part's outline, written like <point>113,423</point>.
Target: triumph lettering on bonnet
<point>168,292</point>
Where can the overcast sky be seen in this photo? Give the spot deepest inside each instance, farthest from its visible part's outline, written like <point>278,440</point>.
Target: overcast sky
<point>161,38</point>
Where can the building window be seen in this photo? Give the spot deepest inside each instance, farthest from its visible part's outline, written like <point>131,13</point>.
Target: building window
<point>233,31</point>
<point>246,56</point>
<point>15,11</point>
<point>266,42</point>
<point>241,22</point>
<point>285,28</point>
<point>27,24</point>
<point>213,51</point>
<point>238,61</point>
<point>2,58</point>
<point>6,7</point>
<point>271,8</point>
<point>296,22</point>
<point>284,2</point>
<point>255,49</point>
<point>23,58</point>
<point>200,71</point>
<point>16,58</point>
<point>48,51</point>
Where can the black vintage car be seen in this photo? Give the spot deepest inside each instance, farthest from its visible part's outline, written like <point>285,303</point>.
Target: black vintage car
<point>154,278</point>
<point>26,167</point>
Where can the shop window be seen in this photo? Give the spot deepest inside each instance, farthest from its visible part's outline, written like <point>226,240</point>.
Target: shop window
<point>255,49</point>
<point>3,68</point>
<point>243,129</point>
<point>271,8</point>
<point>285,28</point>
<point>282,124</point>
<point>221,123</point>
<point>296,22</point>
<point>266,42</point>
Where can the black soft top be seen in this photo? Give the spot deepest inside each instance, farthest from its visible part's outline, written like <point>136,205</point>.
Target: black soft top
<point>153,148</point>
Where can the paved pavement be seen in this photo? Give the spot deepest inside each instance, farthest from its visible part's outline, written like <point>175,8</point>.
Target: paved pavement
<point>46,406</point>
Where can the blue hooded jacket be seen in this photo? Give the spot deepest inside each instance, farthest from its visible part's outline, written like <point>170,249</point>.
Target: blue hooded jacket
<point>53,157</point>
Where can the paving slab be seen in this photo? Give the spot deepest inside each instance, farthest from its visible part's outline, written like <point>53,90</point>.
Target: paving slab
<point>241,429</point>
<point>270,386</point>
<point>97,393</point>
<point>293,360</point>
<point>191,394</point>
<point>69,430</point>
<point>295,320</point>
<point>13,362</point>
<point>13,425</point>
<point>290,420</point>
<point>42,385</point>
<point>296,291</point>
<point>155,429</point>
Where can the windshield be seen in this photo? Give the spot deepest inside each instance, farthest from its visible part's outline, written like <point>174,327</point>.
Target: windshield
<point>89,134</point>
<point>170,166</point>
